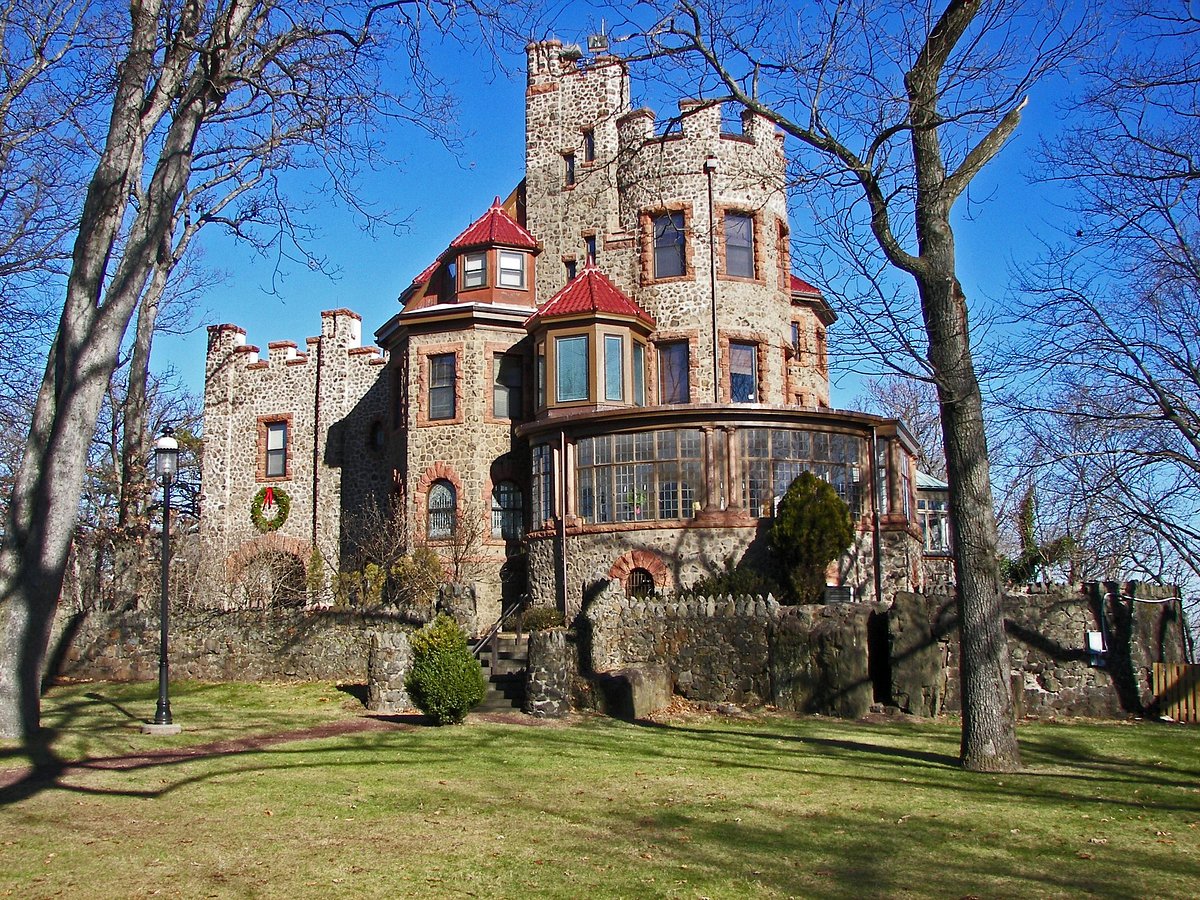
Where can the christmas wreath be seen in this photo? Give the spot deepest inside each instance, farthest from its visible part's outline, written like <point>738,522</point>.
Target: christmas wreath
<point>270,499</point>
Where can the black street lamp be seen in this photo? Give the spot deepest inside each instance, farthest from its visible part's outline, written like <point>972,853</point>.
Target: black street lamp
<point>166,464</point>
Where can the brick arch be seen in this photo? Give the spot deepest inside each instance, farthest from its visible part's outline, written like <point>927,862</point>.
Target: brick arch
<point>273,541</point>
<point>641,559</point>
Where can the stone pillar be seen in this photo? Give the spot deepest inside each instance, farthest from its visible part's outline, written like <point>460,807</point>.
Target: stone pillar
<point>388,665</point>
<point>548,675</point>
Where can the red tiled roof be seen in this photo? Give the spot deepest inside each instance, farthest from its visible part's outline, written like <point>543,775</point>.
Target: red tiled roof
<point>590,292</point>
<point>495,227</point>
<point>799,284</point>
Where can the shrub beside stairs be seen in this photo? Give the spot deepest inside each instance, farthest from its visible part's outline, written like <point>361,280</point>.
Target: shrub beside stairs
<point>504,660</point>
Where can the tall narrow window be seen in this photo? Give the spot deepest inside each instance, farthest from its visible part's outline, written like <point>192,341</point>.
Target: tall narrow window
<point>673,371</point>
<point>572,269</point>
<point>589,145</point>
<point>443,376</point>
<point>589,247</point>
<point>571,369</point>
<point>474,270</point>
<point>739,245</point>
<point>440,523</point>
<point>512,269</point>
<point>796,339</point>
<point>669,247</point>
<point>569,169</point>
<point>276,449</point>
<point>638,365</point>
<point>507,393</point>
<point>542,484</point>
<point>508,520</point>
<point>540,375</point>
<point>743,372</point>
<point>614,368</point>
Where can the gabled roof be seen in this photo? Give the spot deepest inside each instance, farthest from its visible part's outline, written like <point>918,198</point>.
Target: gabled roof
<point>495,227</point>
<point>590,292</point>
<point>803,292</point>
<point>801,286</point>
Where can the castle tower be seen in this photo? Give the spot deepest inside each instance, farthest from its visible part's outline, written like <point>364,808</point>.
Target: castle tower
<point>571,113</point>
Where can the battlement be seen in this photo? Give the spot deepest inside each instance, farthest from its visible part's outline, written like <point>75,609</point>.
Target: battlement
<point>699,122</point>
<point>341,330</point>
<point>551,60</point>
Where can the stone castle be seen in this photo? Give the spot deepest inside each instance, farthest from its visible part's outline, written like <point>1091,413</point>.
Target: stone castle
<point>613,373</point>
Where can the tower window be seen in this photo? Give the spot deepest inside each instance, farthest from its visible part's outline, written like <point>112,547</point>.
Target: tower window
<point>512,269</point>
<point>569,166</point>
<point>507,393</point>
<point>669,246</point>
<point>589,145</point>
<point>743,372</point>
<point>441,510</point>
<point>276,449</point>
<point>589,247</point>
<point>614,367</point>
<point>443,378</point>
<point>673,372</point>
<point>739,245</point>
<point>474,270</point>
<point>571,369</point>
<point>508,519</point>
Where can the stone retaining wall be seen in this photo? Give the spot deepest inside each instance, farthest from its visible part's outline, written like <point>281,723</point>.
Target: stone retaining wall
<point>223,645</point>
<point>1047,631</point>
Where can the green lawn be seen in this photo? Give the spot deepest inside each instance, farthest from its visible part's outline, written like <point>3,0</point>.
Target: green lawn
<point>702,807</point>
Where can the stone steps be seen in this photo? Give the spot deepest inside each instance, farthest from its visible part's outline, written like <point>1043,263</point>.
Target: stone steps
<point>504,663</point>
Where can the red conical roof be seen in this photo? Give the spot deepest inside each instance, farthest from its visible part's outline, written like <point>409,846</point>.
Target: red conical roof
<point>590,292</point>
<point>495,227</point>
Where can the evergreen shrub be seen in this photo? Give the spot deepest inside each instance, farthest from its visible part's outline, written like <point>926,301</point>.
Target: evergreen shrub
<point>541,618</point>
<point>812,528</point>
<point>445,681</point>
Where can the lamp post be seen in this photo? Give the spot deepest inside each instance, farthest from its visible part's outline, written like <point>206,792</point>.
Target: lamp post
<point>166,464</point>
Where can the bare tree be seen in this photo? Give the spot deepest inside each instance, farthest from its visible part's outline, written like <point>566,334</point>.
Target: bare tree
<point>913,401</point>
<point>1113,311</point>
<point>206,97</point>
<point>896,108</point>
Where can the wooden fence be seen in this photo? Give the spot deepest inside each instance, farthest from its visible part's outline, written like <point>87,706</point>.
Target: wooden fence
<point>1177,691</point>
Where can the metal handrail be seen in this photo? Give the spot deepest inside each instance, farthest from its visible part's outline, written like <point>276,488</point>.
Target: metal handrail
<point>517,606</point>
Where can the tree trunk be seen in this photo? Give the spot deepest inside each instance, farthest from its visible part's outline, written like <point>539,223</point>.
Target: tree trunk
<point>989,741</point>
<point>95,315</point>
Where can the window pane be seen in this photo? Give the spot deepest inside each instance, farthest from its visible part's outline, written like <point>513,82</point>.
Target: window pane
<point>572,368</point>
<point>673,373</point>
<point>475,270</point>
<point>743,384</point>
<point>442,386</point>
<point>512,269</point>
<point>507,393</point>
<point>441,510</point>
<point>669,254</point>
<point>614,375</point>
<point>739,245</point>
<point>639,374</point>
<point>507,511</point>
<point>276,449</point>
<point>589,145</point>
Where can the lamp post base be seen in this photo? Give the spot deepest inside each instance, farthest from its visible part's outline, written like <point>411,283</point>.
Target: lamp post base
<point>159,730</point>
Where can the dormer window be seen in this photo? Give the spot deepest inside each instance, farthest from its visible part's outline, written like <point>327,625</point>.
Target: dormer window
<point>474,270</point>
<point>512,269</point>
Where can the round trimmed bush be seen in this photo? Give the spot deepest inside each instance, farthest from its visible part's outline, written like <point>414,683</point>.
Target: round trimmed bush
<point>542,617</point>
<point>445,681</point>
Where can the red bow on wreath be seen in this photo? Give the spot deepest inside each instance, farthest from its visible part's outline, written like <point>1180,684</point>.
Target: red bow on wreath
<point>269,498</point>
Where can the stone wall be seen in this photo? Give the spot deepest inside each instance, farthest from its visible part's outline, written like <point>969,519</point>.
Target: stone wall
<point>548,674</point>
<point>234,645</point>
<point>1047,631</point>
<point>715,649</point>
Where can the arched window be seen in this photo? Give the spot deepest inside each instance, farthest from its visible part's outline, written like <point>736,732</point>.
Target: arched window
<point>441,510</point>
<point>508,511</point>
<point>640,583</point>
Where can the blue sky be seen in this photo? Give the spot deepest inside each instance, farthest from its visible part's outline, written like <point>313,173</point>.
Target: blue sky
<point>441,193</point>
